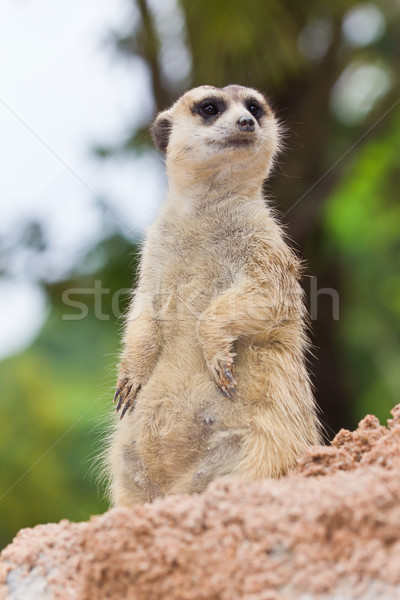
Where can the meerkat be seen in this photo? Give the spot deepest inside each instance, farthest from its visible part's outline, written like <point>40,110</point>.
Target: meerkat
<point>212,380</point>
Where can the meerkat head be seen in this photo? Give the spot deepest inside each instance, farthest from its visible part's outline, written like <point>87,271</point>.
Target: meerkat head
<point>213,131</point>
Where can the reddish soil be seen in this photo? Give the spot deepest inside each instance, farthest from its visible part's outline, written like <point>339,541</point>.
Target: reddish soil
<point>330,530</point>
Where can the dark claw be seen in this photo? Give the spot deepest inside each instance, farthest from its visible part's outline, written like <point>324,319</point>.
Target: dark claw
<point>229,376</point>
<point>225,392</point>
<point>120,401</point>
<point>227,383</point>
<point>127,405</point>
<point>122,398</point>
<point>120,388</point>
<point>130,400</point>
<point>117,393</point>
<point>228,391</point>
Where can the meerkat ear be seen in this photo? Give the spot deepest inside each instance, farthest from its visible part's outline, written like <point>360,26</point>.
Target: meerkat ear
<point>161,130</point>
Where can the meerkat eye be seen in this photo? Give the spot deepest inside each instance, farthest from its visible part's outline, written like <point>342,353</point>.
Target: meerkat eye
<point>254,109</point>
<point>209,109</point>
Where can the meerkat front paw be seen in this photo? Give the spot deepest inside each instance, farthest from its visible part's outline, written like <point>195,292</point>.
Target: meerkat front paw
<point>222,370</point>
<point>217,351</point>
<point>125,393</point>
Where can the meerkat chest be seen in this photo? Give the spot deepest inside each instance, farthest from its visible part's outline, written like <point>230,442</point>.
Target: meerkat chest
<point>213,253</point>
<point>191,264</point>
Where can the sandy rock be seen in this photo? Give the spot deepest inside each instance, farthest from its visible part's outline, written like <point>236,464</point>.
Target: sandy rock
<point>330,531</point>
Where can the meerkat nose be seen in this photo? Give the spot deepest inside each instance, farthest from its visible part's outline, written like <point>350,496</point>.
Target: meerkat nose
<point>246,124</point>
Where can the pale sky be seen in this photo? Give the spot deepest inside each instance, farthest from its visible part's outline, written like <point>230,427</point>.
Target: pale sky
<point>63,89</point>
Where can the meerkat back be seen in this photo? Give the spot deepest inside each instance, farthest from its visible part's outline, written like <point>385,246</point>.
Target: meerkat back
<point>212,380</point>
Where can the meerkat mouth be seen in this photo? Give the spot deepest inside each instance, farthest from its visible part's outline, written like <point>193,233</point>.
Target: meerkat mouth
<point>238,141</point>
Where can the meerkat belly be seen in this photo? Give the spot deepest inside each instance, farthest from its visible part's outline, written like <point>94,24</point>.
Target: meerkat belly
<point>180,424</point>
<point>183,432</point>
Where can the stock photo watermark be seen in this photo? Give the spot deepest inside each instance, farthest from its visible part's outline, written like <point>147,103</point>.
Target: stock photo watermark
<point>105,305</point>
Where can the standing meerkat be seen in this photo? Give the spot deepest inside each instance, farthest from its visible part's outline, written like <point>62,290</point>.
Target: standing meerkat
<point>212,380</point>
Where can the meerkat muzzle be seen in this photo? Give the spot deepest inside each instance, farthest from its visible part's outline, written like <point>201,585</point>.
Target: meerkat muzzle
<point>246,124</point>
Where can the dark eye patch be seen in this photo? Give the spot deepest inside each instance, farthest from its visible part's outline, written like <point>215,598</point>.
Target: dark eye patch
<point>254,107</point>
<point>210,108</point>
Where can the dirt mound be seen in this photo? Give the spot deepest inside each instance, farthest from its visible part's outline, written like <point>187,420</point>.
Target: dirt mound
<point>331,530</point>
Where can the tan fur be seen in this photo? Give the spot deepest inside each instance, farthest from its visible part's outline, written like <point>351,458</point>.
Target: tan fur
<point>213,367</point>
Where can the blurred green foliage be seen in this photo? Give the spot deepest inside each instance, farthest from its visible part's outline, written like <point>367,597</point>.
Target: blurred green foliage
<point>56,398</point>
<point>362,221</point>
<point>53,401</point>
<point>337,189</point>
